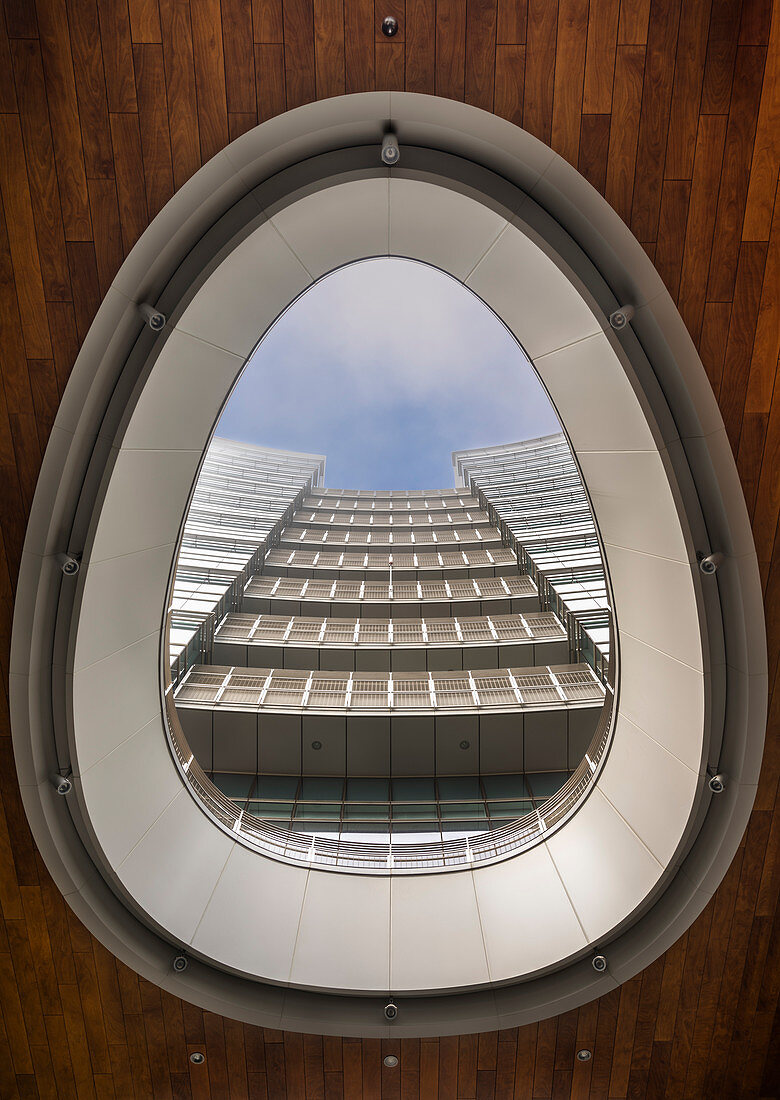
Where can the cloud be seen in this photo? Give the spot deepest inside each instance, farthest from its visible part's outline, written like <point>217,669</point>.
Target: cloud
<point>386,367</point>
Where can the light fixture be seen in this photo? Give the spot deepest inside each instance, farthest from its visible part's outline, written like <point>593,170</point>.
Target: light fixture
<point>316,745</point>
<point>391,154</point>
<point>709,565</point>
<point>390,1061</point>
<point>389,26</point>
<point>599,963</point>
<point>620,318</point>
<point>154,319</point>
<point>465,744</point>
<point>584,1055</point>
<point>197,1057</point>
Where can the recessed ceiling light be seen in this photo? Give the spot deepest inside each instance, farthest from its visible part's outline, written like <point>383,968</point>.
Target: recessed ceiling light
<point>197,1058</point>
<point>317,745</point>
<point>584,1055</point>
<point>390,1061</point>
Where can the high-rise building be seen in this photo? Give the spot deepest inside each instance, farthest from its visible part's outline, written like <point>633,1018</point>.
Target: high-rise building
<point>416,675</point>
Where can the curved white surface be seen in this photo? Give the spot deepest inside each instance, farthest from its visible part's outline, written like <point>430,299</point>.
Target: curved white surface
<point>244,910</point>
<point>422,933</point>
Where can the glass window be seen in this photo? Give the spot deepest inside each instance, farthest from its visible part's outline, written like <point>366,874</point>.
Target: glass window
<point>277,786</point>
<point>545,784</point>
<point>505,786</point>
<point>271,810</point>
<point>453,787</point>
<point>233,786</point>
<point>368,790</point>
<point>311,810</point>
<point>370,811</point>
<point>421,811</point>
<point>413,790</point>
<point>322,788</point>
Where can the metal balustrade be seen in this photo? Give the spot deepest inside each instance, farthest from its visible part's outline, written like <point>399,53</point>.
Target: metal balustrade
<point>416,521</point>
<point>297,630</point>
<point>380,559</point>
<point>516,585</point>
<point>396,856</point>
<point>560,686</point>
<point>395,536</point>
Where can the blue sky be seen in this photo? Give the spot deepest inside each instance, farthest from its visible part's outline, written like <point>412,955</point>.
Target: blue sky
<point>386,367</point>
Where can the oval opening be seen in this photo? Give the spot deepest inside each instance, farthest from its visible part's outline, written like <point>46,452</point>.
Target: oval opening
<point>389,631</point>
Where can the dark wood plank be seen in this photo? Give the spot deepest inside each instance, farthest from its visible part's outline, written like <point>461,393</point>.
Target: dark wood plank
<point>480,68</point>
<point>117,48</point>
<point>153,122</point>
<point>299,52</point>
<point>569,78</point>
<point>624,128</point>
<point>721,51</point>
<point>594,149</point>
<point>41,170</point>
<point>735,172</point>
<point>686,89</point>
<point>512,22</point>
<point>144,21</point>
<point>632,26</point>
<point>600,58</point>
<point>654,118</point>
<point>268,22</point>
<point>91,88</point>
<point>742,330</point>
<point>209,59</point>
<point>64,115</point>
<point>329,70</point>
<point>766,154</point>
<point>701,220</point>
<point>540,67</point>
<point>450,52</point>
<point>20,227</point>
<point>269,67</point>
<point>239,56</point>
<point>130,182</point>
<point>673,216</point>
<point>176,29</point>
<point>421,46</point>
<point>389,61</point>
<point>359,45</point>
<point>510,83</point>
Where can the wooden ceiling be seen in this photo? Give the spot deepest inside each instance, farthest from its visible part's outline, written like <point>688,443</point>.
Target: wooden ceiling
<point>671,108</point>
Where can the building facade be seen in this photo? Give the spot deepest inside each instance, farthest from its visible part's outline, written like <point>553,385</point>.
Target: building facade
<point>389,669</point>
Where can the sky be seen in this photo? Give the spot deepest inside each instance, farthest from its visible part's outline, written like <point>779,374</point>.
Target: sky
<point>386,367</point>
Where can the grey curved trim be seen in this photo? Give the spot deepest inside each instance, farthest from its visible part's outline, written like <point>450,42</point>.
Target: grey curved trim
<point>335,139</point>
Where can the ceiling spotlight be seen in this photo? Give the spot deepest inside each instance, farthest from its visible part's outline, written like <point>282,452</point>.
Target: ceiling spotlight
<point>62,784</point>
<point>390,1011</point>
<point>69,564</point>
<point>180,964</point>
<point>389,26</point>
<point>599,963</point>
<point>390,1061</point>
<point>620,318</point>
<point>584,1055</point>
<point>391,154</point>
<point>465,744</point>
<point>709,565</point>
<point>316,745</point>
<point>716,782</point>
<point>197,1058</point>
<point>154,319</point>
